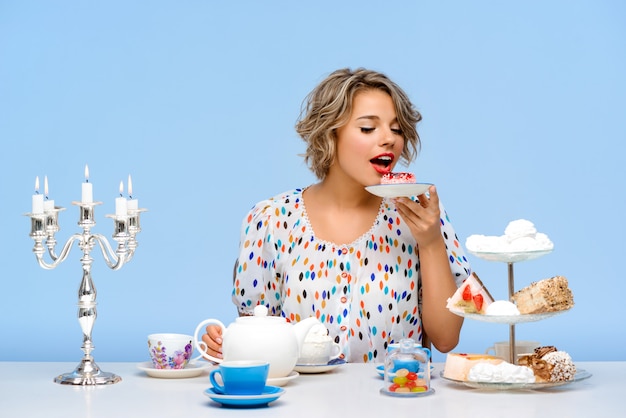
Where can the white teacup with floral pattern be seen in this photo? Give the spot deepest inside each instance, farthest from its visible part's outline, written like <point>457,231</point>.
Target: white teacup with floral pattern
<point>170,351</point>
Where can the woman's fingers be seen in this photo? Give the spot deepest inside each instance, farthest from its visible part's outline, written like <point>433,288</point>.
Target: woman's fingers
<point>213,341</point>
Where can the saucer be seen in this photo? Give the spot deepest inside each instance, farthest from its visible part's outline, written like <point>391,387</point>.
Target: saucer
<point>319,368</point>
<point>282,381</point>
<point>192,370</point>
<point>270,394</point>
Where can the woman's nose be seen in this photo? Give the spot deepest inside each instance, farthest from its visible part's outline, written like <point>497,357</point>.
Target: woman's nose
<point>387,137</point>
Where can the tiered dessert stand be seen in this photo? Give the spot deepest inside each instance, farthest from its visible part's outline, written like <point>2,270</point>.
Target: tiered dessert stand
<point>510,258</point>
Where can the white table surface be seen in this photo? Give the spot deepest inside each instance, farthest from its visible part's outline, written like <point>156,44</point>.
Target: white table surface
<point>28,390</point>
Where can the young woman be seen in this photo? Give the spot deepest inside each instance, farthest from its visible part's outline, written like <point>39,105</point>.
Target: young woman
<point>372,269</point>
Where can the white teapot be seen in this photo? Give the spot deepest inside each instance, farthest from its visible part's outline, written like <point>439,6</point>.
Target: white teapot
<point>260,337</point>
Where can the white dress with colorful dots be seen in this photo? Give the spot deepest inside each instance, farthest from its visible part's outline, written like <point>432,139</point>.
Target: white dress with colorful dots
<point>366,293</point>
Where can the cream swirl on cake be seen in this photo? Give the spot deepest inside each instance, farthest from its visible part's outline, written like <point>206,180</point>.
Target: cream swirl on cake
<point>500,373</point>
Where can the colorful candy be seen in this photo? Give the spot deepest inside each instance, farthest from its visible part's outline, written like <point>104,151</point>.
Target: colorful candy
<point>405,381</point>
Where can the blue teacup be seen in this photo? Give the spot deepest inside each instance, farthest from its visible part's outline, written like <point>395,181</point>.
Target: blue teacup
<point>240,377</point>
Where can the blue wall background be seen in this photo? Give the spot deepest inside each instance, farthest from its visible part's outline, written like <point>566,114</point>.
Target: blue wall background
<point>523,106</point>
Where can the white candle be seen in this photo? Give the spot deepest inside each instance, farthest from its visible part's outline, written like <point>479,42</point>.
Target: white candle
<point>120,203</point>
<point>48,205</point>
<point>37,198</point>
<point>133,204</point>
<point>87,195</point>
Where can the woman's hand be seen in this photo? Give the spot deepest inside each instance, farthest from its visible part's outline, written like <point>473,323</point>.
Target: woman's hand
<point>213,341</point>
<point>422,217</point>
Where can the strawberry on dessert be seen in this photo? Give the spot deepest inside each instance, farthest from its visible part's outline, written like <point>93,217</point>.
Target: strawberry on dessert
<point>471,297</point>
<point>397,178</point>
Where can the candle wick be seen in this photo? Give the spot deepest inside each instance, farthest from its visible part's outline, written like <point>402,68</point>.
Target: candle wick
<point>130,196</point>
<point>36,191</point>
<point>46,197</point>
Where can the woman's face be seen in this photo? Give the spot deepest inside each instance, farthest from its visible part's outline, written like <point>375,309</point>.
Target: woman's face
<point>370,143</point>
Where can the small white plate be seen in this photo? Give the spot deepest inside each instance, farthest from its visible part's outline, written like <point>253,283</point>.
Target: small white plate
<point>319,368</point>
<point>270,394</point>
<point>282,381</point>
<point>399,189</point>
<point>192,370</point>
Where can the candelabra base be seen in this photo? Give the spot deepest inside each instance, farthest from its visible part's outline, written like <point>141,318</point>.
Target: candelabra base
<point>87,373</point>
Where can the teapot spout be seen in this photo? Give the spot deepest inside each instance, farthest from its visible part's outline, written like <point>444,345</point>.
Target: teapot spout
<point>302,328</point>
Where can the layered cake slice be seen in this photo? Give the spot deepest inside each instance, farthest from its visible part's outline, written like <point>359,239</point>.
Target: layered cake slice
<point>471,297</point>
<point>548,295</point>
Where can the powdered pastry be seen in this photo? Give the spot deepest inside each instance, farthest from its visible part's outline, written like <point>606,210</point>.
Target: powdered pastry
<point>549,364</point>
<point>548,295</point>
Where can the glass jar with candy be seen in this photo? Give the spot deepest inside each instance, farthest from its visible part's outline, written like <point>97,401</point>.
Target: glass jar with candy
<point>407,371</point>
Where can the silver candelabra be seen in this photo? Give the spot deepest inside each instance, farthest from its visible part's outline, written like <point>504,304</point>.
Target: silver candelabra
<point>44,226</point>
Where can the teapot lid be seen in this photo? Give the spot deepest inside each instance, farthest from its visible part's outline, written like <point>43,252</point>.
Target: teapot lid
<point>261,314</point>
<point>260,310</point>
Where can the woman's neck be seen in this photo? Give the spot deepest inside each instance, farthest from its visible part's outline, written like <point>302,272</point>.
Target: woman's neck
<point>340,214</point>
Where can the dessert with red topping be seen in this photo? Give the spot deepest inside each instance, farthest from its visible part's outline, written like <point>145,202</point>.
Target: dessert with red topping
<point>471,297</point>
<point>397,178</point>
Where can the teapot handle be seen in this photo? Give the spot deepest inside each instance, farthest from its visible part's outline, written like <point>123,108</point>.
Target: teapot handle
<point>201,345</point>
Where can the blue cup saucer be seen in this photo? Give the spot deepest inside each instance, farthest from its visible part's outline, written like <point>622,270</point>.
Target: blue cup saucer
<point>269,394</point>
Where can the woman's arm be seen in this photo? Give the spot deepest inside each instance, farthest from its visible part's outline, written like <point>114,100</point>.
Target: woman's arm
<point>438,284</point>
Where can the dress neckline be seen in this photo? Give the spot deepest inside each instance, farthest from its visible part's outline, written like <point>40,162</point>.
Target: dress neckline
<point>356,241</point>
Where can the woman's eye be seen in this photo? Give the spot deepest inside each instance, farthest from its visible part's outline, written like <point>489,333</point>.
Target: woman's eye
<point>397,131</point>
<point>367,130</point>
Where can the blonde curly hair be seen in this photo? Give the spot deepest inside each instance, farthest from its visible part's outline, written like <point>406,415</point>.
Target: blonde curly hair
<point>329,105</point>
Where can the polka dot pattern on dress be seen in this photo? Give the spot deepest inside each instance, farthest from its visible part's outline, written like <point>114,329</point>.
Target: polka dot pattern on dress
<point>367,293</point>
